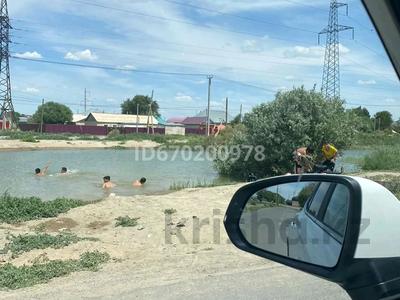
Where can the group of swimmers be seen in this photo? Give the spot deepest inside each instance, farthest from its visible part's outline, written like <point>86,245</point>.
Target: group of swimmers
<point>107,183</point>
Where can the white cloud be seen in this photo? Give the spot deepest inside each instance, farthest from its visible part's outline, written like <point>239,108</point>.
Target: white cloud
<point>390,100</point>
<point>289,77</point>
<point>343,49</point>
<point>300,51</point>
<point>252,46</point>
<point>32,90</point>
<point>81,55</point>
<point>183,98</point>
<point>110,100</point>
<point>311,52</point>
<point>29,55</point>
<point>366,82</point>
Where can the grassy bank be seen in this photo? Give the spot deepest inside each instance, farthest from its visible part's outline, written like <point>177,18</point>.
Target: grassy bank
<point>13,277</point>
<point>17,209</point>
<point>167,140</point>
<point>27,242</point>
<point>384,159</point>
<point>177,186</point>
<point>375,140</point>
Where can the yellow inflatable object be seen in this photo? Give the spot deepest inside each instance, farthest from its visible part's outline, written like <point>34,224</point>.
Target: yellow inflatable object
<point>329,151</point>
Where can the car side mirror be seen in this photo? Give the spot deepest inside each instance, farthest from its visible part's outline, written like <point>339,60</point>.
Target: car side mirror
<point>336,227</point>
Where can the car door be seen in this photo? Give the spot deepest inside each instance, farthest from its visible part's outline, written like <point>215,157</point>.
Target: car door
<point>316,233</point>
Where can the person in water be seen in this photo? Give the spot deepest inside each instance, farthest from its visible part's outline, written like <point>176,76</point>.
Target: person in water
<point>107,184</point>
<point>43,172</point>
<point>63,170</point>
<point>140,182</point>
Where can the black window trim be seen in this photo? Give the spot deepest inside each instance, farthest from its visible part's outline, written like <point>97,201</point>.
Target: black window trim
<point>318,221</point>
<point>324,212</point>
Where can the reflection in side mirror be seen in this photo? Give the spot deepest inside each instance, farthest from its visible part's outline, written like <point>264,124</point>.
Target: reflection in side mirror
<point>305,221</point>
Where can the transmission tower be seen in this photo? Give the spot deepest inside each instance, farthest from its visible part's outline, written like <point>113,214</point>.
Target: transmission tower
<point>331,75</point>
<point>7,109</point>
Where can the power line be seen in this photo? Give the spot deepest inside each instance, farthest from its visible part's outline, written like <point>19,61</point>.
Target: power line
<point>107,67</point>
<point>373,105</point>
<point>244,84</point>
<point>181,21</point>
<point>238,16</point>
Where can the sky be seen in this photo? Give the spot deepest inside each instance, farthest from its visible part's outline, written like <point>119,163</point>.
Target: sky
<point>252,48</point>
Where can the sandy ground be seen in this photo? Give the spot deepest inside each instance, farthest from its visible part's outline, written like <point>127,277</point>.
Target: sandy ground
<point>57,144</point>
<point>158,250</point>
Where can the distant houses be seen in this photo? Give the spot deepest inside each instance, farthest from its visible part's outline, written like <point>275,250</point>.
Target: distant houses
<point>119,120</point>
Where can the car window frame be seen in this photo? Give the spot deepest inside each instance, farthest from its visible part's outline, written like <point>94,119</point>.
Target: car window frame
<point>325,208</point>
<point>318,220</point>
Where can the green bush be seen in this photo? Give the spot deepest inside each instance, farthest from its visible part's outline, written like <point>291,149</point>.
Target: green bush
<point>27,242</point>
<point>169,211</point>
<point>126,221</point>
<point>12,277</point>
<point>29,139</point>
<point>15,209</point>
<point>294,119</point>
<point>383,159</point>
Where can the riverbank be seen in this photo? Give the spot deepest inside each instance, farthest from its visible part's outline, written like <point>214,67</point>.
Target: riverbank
<point>9,145</point>
<point>158,240</point>
<point>165,245</point>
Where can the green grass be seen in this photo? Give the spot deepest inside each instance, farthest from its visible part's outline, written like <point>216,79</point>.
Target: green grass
<point>169,211</point>
<point>29,139</point>
<point>16,209</point>
<point>27,242</point>
<point>167,140</point>
<point>126,221</point>
<point>375,139</point>
<point>119,147</point>
<point>13,277</point>
<point>177,186</point>
<point>385,159</point>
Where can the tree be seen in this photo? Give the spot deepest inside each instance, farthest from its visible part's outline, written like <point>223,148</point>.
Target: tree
<point>383,120</point>
<point>17,115</point>
<point>129,106</point>
<point>295,118</point>
<point>361,122</point>
<point>361,112</point>
<point>236,120</point>
<point>53,113</point>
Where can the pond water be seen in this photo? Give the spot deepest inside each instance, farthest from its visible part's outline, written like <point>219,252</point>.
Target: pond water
<point>87,169</point>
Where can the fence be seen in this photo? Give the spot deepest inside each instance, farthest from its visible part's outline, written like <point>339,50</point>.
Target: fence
<point>85,129</point>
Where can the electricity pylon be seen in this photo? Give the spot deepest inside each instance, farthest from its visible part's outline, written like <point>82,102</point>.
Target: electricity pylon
<point>331,75</point>
<point>7,108</point>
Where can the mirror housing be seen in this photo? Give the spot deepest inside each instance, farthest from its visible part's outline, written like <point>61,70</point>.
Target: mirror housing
<point>371,275</point>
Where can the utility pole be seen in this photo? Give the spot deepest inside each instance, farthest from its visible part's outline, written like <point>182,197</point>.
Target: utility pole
<point>208,104</point>
<point>85,99</point>
<point>226,111</point>
<point>331,75</point>
<point>137,117</point>
<point>241,109</point>
<point>41,118</point>
<point>150,115</point>
<point>7,108</point>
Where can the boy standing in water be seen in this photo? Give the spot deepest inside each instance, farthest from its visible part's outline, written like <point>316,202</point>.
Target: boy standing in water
<point>107,184</point>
